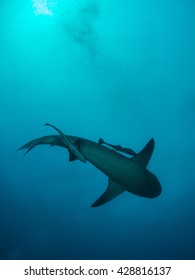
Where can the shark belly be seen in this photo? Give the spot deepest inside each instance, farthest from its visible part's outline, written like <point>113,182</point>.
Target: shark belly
<point>116,166</point>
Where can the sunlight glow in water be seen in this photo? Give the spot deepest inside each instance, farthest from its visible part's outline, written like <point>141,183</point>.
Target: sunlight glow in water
<point>44,7</point>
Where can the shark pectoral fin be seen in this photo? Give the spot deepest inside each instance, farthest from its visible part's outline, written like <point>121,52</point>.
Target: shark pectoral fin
<point>113,190</point>
<point>144,156</point>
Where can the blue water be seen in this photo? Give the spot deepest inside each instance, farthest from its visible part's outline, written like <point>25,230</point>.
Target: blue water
<point>121,70</point>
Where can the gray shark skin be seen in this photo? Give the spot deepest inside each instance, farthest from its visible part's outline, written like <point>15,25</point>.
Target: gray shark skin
<point>124,173</point>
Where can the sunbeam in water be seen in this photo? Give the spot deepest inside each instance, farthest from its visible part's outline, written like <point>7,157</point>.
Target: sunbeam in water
<point>44,7</point>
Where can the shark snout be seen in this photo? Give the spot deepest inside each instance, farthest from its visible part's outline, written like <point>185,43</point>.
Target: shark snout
<point>153,186</point>
<point>154,192</point>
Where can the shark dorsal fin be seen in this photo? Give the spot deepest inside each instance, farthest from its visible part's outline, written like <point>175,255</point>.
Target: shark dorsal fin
<point>113,190</point>
<point>143,157</point>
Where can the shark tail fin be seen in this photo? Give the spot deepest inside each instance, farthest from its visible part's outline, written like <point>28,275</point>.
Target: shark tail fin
<point>48,140</point>
<point>113,190</point>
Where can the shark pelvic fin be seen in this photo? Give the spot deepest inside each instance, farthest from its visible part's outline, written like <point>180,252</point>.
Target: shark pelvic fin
<point>72,157</point>
<point>144,156</point>
<point>71,147</point>
<point>113,190</point>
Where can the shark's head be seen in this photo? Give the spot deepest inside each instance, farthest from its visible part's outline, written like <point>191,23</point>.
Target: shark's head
<point>152,186</point>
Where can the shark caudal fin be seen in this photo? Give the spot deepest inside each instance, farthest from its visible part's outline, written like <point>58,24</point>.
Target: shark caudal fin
<point>51,140</point>
<point>73,151</point>
<point>113,190</point>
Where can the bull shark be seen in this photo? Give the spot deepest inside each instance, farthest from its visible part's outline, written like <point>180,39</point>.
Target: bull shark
<point>124,173</point>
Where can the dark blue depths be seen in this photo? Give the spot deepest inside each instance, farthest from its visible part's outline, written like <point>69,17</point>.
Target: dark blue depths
<point>123,72</point>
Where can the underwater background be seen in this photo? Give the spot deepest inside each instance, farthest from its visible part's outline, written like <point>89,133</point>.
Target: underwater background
<point>121,70</point>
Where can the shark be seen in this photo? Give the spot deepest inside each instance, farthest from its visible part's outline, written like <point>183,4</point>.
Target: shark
<point>125,173</point>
